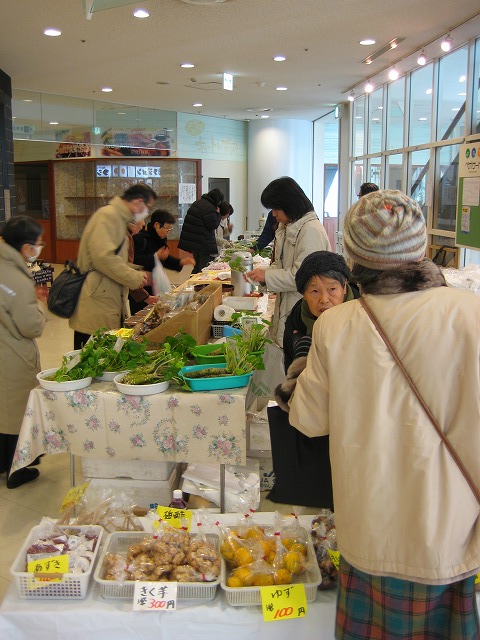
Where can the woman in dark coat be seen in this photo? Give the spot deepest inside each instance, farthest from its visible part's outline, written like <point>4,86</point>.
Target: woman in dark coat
<point>151,241</point>
<point>199,226</point>
<point>302,465</point>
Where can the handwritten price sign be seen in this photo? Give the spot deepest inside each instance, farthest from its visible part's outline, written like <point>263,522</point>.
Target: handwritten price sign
<point>334,557</point>
<point>283,602</point>
<point>155,596</point>
<point>47,570</point>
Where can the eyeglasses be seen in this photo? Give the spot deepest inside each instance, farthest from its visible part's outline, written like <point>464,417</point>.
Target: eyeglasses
<point>167,229</point>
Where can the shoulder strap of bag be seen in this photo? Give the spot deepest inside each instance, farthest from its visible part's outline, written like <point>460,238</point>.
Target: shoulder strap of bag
<point>425,407</point>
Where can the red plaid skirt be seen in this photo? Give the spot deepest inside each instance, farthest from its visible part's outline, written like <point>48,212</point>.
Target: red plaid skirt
<point>379,608</point>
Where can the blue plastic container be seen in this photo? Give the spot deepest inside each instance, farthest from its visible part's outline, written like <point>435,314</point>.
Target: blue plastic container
<point>228,331</point>
<point>212,384</point>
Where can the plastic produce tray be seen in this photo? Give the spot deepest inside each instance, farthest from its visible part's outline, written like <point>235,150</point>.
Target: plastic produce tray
<point>119,542</point>
<point>211,384</point>
<point>311,578</point>
<point>201,354</point>
<point>74,585</point>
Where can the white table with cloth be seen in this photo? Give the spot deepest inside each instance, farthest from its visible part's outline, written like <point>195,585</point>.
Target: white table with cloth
<point>97,618</point>
<point>100,422</point>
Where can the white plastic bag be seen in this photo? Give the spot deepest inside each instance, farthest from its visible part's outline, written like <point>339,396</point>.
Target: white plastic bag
<point>160,281</point>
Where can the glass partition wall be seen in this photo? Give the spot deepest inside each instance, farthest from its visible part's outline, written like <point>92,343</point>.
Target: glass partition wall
<point>407,134</point>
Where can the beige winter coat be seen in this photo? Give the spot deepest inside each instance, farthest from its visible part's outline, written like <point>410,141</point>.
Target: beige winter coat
<point>402,507</point>
<point>293,243</point>
<point>103,297</point>
<point>22,319</point>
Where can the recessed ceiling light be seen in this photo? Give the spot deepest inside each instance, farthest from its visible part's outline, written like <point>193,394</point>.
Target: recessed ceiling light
<point>52,32</point>
<point>121,113</point>
<point>107,89</point>
<point>28,100</point>
<point>367,42</point>
<point>141,13</point>
<point>258,109</point>
<point>423,119</point>
<point>279,58</point>
<point>264,116</point>
<point>204,1</point>
<point>53,122</point>
<point>187,65</point>
<point>282,88</point>
<point>197,104</point>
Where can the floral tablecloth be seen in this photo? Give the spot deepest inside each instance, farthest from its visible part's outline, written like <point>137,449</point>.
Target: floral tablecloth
<point>100,422</point>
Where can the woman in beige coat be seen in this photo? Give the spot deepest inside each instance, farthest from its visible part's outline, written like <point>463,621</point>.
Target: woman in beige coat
<point>299,234</point>
<point>22,319</point>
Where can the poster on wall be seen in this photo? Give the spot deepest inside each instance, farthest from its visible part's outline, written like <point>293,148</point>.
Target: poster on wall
<point>467,232</point>
<point>135,143</point>
<point>75,145</point>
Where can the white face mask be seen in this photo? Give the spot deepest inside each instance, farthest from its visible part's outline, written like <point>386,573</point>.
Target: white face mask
<point>139,217</point>
<point>37,251</point>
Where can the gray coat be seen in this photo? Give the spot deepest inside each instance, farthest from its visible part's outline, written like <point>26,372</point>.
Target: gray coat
<point>22,319</point>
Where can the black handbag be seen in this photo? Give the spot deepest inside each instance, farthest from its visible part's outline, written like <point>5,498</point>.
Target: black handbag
<point>65,290</point>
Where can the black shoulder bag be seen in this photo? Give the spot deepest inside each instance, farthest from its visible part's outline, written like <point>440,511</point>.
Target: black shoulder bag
<point>65,290</point>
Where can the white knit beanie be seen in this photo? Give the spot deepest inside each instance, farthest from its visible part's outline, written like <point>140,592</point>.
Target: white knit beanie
<point>385,230</point>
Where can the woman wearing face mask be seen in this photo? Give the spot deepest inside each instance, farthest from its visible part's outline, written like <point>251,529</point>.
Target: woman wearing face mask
<point>151,241</point>
<point>22,319</point>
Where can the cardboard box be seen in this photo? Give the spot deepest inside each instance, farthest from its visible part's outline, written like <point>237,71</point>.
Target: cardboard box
<point>134,469</point>
<point>196,323</point>
<point>143,493</point>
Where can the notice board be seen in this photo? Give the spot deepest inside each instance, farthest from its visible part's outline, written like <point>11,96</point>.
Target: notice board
<point>467,231</point>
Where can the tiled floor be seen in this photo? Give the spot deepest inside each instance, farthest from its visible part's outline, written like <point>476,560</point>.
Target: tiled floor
<point>22,508</point>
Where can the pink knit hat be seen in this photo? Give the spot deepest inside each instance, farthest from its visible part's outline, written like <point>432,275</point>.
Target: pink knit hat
<point>385,230</point>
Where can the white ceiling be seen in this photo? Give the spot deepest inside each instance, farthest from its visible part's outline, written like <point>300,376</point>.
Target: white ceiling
<point>140,59</point>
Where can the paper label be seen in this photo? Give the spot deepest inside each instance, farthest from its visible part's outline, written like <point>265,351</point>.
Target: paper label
<point>155,596</point>
<point>334,557</point>
<point>283,602</point>
<point>72,362</point>
<point>74,495</point>
<point>47,570</point>
<point>178,518</point>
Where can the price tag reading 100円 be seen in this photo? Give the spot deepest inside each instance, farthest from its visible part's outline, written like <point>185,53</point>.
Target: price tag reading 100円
<point>283,602</point>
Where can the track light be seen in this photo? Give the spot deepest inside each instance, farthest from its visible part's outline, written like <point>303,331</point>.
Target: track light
<point>351,96</point>
<point>393,74</point>
<point>422,59</point>
<point>368,87</point>
<point>447,43</point>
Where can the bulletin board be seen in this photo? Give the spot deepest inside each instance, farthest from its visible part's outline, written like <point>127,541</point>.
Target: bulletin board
<point>467,232</point>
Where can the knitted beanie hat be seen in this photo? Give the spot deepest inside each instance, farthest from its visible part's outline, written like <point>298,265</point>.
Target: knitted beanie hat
<point>318,263</point>
<point>385,230</point>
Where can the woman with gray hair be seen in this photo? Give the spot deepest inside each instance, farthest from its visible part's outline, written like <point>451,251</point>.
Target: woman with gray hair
<point>301,465</point>
<point>404,452</point>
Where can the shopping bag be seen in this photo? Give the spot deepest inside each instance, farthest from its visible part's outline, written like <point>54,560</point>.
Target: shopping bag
<point>160,281</point>
<point>263,383</point>
<point>65,290</point>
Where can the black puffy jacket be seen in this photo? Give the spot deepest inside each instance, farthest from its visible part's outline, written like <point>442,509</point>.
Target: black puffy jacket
<point>198,230</point>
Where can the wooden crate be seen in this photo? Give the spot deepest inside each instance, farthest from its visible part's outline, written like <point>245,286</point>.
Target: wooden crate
<point>196,323</point>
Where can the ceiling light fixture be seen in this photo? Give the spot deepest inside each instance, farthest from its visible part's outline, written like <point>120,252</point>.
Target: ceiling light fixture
<point>281,88</point>
<point>393,74</point>
<point>53,122</point>
<point>367,42</point>
<point>351,96</point>
<point>141,13</point>
<point>368,87</point>
<point>446,43</point>
<point>393,44</point>
<point>264,116</point>
<point>197,104</point>
<point>422,59</point>
<point>187,65</point>
<point>52,33</point>
<point>279,58</point>
<point>205,1</point>
<point>107,89</point>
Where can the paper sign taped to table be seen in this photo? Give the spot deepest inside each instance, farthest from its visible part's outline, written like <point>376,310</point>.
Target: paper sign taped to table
<point>155,596</point>
<point>282,602</point>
